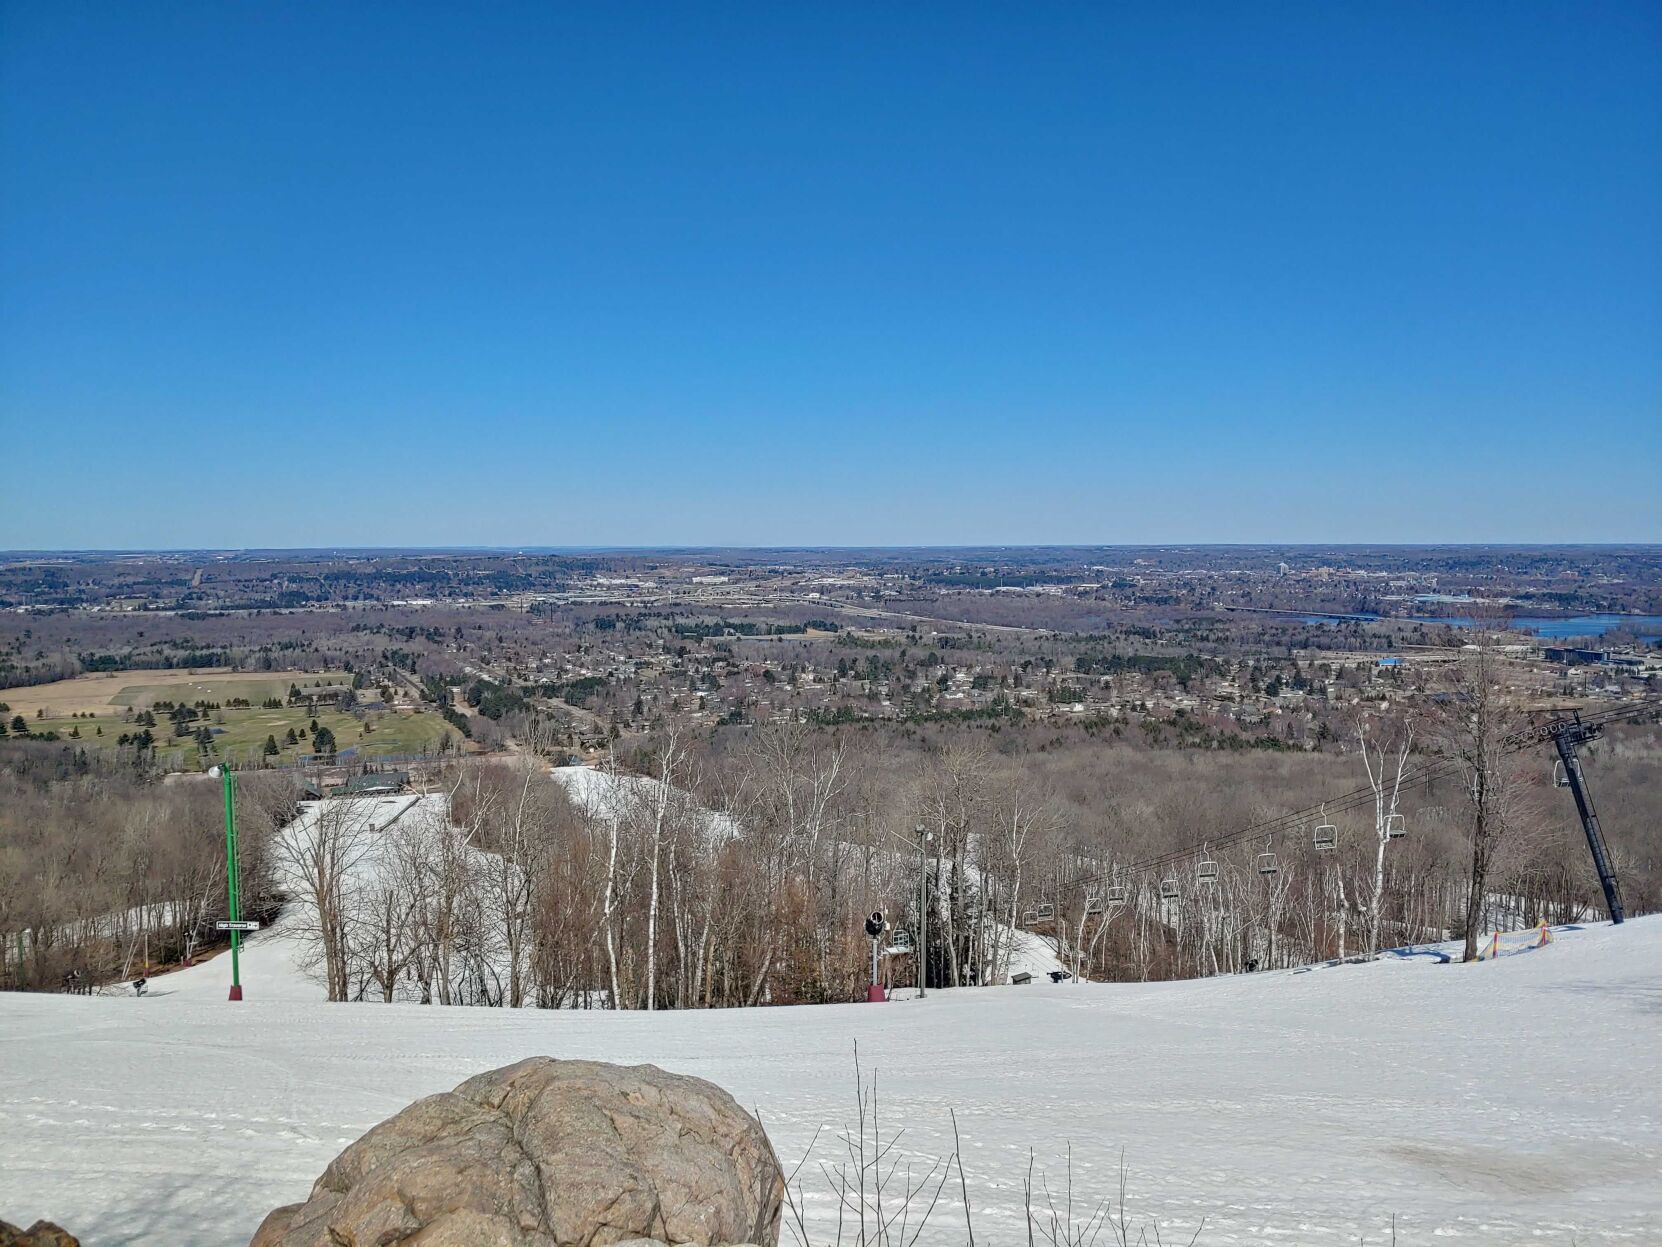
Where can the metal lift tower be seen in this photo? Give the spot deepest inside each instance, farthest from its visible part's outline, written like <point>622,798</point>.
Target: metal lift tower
<point>1566,735</point>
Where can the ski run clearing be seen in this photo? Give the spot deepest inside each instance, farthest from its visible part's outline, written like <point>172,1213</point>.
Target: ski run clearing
<point>1511,1101</point>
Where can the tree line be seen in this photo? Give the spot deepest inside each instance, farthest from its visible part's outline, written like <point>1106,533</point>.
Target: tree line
<point>716,869</point>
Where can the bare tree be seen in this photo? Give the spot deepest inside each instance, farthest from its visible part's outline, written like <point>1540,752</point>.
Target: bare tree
<point>317,857</point>
<point>668,773</point>
<point>1385,778</point>
<point>1473,725</point>
<point>513,836</point>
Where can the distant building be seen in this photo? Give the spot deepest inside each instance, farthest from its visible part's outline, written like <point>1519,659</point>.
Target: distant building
<point>1574,657</point>
<point>374,783</point>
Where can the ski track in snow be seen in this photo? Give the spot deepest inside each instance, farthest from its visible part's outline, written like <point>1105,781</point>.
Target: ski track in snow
<point>1517,1101</point>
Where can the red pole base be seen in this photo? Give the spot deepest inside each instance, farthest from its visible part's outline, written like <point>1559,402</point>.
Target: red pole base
<point>875,995</point>
<point>236,992</point>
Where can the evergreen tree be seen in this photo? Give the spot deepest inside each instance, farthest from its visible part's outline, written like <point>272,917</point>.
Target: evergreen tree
<point>271,749</point>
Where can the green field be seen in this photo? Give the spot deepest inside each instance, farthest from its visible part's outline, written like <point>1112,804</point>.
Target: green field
<point>240,734</point>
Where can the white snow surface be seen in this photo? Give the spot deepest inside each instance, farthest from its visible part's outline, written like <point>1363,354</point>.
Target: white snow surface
<point>1514,1101</point>
<point>608,795</point>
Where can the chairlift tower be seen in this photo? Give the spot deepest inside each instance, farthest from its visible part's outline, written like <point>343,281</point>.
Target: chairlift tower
<point>1566,735</point>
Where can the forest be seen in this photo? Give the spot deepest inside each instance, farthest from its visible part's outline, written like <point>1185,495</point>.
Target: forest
<point>734,866</point>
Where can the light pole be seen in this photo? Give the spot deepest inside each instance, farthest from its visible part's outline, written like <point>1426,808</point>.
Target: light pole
<point>228,781</point>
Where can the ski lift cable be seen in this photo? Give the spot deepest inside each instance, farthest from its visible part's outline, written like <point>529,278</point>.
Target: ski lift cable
<point>1356,798</point>
<point>1363,796</point>
<point>1270,827</point>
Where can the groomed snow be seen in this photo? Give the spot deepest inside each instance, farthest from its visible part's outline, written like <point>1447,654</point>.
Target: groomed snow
<point>1516,1101</point>
<point>606,795</point>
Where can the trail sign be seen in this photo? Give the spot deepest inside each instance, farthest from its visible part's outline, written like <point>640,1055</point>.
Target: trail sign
<point>237,926</point>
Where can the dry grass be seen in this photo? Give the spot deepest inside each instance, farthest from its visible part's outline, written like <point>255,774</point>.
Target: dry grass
<point>100,693</point>
<point>885,1194</point>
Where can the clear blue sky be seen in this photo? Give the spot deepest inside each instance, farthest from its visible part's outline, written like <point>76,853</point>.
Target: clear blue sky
<point>289,274</point>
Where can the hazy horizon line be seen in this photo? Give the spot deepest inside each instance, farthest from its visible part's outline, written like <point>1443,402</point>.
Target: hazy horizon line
<point>691,548</point>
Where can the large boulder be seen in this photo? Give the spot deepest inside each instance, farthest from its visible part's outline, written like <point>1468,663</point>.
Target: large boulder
<point>40,1234</point>
<point>549,1153</point>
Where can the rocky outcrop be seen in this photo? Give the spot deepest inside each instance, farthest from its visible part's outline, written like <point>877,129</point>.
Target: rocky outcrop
<point>549,1153</point>
<point>40,1234</point>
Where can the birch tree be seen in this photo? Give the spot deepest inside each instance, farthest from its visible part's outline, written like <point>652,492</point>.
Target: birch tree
<point>1385,778</point>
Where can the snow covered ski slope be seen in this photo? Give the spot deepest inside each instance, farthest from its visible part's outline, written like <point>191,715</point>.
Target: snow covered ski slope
<point>1515,1101</point>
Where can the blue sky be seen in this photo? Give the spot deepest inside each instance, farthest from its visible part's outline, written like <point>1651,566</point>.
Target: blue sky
<point>288,274</point>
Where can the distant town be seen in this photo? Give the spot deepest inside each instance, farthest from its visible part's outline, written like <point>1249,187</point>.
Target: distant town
<point>415,654</point>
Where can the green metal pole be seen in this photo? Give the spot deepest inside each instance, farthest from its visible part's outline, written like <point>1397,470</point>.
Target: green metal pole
<point>231,879</point>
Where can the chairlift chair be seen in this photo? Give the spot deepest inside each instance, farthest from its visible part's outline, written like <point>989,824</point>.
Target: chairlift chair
<point>1168,889</point>
<point>1206,873</point>
<point>1267,863</point>
<point>1116,894</point>
<point>1559,778</point>
<point>1396,826</point>
<point>1028,918</point>
<point>1326,838</point>
<point>1047,911</point>
<point>1093,905</point>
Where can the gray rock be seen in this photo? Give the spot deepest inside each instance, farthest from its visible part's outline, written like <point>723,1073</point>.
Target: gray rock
<point>40,1234</point>
<point>549,1153</point>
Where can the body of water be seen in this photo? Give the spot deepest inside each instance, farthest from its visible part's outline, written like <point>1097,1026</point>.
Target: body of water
<point>1649,627</point>
<point>1553,627</point>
